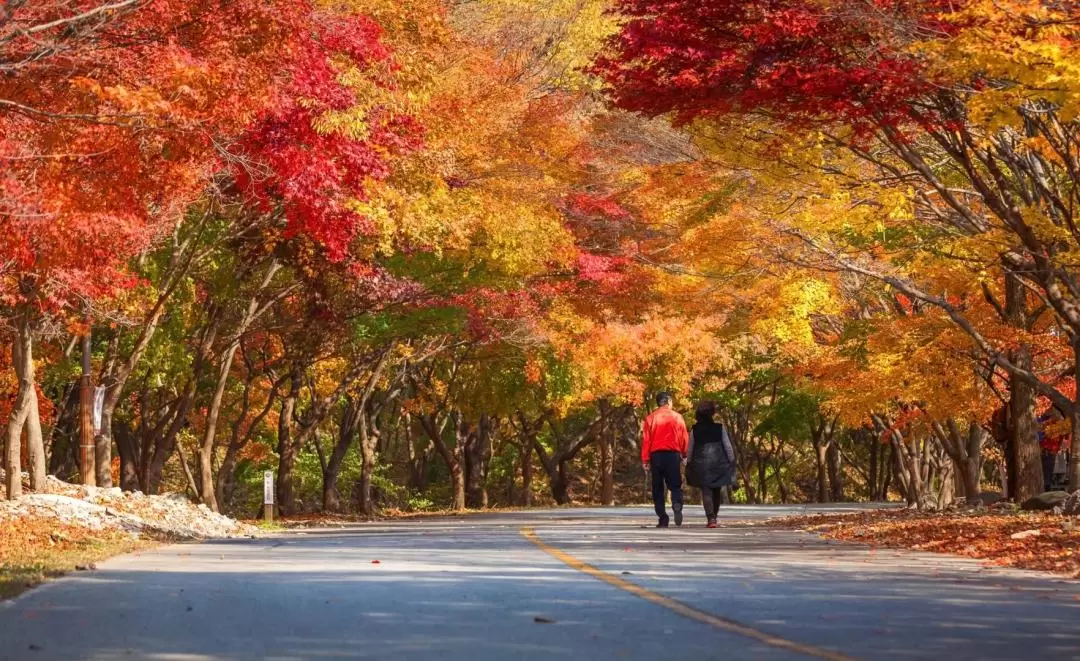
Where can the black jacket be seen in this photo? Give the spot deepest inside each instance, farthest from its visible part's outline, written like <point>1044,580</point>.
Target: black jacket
<point>712,457</point>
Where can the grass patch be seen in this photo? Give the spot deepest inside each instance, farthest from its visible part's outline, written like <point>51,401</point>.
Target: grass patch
<point>36,549</point>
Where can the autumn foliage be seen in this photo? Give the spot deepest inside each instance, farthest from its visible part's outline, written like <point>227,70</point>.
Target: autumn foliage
<point>416,254</point>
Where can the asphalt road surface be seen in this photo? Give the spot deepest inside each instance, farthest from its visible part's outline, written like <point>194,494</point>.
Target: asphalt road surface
<point>568,584</point>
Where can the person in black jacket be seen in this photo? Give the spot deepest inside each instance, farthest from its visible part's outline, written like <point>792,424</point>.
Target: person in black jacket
<point>712,459</point>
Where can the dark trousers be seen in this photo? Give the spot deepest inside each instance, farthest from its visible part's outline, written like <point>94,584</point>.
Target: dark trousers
<point>666,470</point>
<point>711,499</point>
<point>1048,469</point>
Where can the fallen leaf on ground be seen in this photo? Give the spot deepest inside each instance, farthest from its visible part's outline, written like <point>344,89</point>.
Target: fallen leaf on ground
<point>1024,540</point>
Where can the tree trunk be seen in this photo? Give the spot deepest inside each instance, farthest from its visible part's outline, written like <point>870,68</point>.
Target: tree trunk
<point>350,420</point>
<point>64,453</point>
<point>35,445</point>
<point>820,452</point>
<point>165,446</point>
<point>128,449</point>
<point>477,449</point>
<point>370,435</point>
<point>965,453</point>
<point>836,474</point>
<point>872,492</point>
<point>607,456</point>
<point>22,359</point>
<point>1074,449</point>
<point>560,483</point>
<point>418,457</point>
<point>785,497</point>
<point>457,462</point>
<point>367,470</point>
<point>526,473</point>
<point>452,456</point>
<point>206,448</point>
<point>888,460</point>
<point>1027,457</point>
<point>287,450</point>
<point>822,433</point>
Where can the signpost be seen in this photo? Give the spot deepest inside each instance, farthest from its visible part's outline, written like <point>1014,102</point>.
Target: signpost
<point>268,496</point>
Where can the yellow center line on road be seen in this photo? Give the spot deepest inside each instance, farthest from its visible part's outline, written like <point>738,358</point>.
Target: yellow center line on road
<point>681,608</point>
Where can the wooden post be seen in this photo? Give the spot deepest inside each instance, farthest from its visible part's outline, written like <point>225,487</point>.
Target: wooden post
<point>268,496</point>
<point>86,420</point>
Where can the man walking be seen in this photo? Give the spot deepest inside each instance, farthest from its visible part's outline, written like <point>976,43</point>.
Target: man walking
<point>663,452</point>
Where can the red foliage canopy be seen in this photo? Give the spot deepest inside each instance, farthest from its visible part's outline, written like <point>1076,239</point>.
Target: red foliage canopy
<point>111,119</point>
<point>313,175</point>
<point>803,59</point>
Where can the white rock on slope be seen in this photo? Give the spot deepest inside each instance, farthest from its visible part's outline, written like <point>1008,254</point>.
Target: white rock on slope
<point>96,508</point>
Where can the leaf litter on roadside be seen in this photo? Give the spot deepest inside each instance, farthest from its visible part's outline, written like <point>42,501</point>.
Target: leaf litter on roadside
<point>1024,540</point>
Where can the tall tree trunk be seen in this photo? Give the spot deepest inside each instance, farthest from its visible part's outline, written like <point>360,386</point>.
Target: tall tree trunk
<point>820,452</point>
<point>785,497</point>
<point>965,452</point>
<point>418,457</point>
<point>287,449</point>
<point>526,473</point>
<point>560,483</point>
<point>1074,451</point>
<point>207,491</point>
<point>821,436</point>
<point>762,475</point>
<point>1027,457</point>
<point>872,493</point>
<point>607,455</point>
<point>350,421</point>
<point>487,429</point>
<point>457,465</point>
<point>477,448</point>
<point>1073,468</point>
<point>527,431</point>
<point>888,461</point>
<point>64,454</point>
<point>128,449</point>
<point>35,445</point>
<point>836,473</point>
<point>1026,453</point>
<point>452,456</point>
<point>367,468</point>
<point>165,446</point>
<point>22,359</point>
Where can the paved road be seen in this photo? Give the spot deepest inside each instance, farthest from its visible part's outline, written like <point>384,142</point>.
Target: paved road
<point>475,589</point>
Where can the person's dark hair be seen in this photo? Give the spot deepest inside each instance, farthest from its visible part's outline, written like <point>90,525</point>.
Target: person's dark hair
<point>663,398</point>
<point>705,411</point>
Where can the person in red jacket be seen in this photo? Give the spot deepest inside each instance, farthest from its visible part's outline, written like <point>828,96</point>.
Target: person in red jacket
<point>663,453</point>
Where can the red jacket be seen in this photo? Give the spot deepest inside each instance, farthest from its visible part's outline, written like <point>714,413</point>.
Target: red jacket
<point>664,429</point>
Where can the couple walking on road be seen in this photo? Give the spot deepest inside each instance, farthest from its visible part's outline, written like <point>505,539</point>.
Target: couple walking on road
<point>705,450</point>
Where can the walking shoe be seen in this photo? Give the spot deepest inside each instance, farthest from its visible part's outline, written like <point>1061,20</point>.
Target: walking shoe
<point>663,523</point>
<point>711,523</point>
<point>678,517</point>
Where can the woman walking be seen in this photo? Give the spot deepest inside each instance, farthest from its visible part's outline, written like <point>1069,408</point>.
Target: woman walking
<point>712,459</point>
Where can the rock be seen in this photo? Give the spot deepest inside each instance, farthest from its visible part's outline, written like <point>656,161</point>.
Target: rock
<point>1044,501</point>
<point>1025,534</point>
<point>1071,506</point>
<point>985,499</point>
